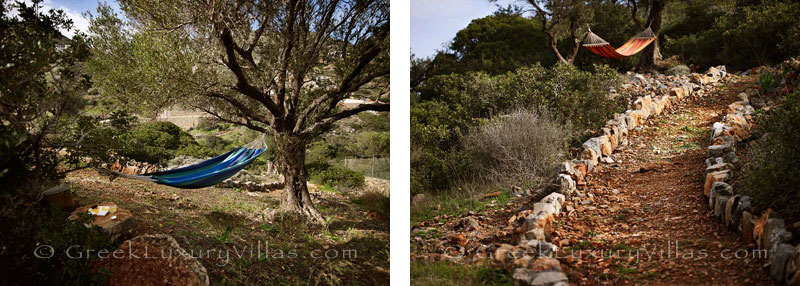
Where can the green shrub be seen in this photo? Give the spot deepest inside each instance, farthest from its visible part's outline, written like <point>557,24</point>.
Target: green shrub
<point>771,176</point>
<point>453,104</point>
<point>336,176</point>
<point>373,121</point>
<point>210,124</point>
<point>750,34</point>
<point>160,141</point>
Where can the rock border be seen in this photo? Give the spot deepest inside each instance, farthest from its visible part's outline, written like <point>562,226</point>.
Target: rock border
<point>735,211</point>
<point>531,261</point>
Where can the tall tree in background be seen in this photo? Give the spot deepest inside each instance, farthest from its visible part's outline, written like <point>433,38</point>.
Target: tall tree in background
<point>278,67</point>
<point>562,19</point>
<point>652,53</point>
<point>42,89</point>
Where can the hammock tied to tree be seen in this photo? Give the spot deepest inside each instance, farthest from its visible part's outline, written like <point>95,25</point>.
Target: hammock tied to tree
<point>597,45</point>
<point>206,173</point>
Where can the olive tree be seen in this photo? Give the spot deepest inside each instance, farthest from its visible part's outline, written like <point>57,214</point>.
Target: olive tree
<point>44,133</point>
<point>278,67</point>
<point>561,20</point>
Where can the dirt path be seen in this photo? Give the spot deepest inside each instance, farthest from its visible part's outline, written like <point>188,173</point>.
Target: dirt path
<point>651,200</point>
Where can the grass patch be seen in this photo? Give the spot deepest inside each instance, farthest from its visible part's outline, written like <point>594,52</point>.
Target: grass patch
<point>452,205</point>
<point>374,201</point>
<point>447,273</point>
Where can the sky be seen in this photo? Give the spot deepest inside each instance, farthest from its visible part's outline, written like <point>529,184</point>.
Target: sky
<point>74,10</point>
<point>435,22</point>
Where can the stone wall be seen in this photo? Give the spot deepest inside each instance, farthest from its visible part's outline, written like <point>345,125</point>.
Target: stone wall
<point>531,260</point>
<point>735,211</point>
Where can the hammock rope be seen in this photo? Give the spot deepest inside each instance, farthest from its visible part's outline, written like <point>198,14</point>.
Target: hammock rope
<point>206,173</point>
<point>598,46</point>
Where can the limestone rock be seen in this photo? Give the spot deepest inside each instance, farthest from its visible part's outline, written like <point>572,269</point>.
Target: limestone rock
<point>730,211</point>
<point>719,208</point>
<point>590,155</point>
<point>541,207</point>
<point>779,257</point>
<point>529,277</point>
<point>760,228</point>
<point>545,264</point>
<point>748,223</point>
<point>535,234</point>
<point>541,220</point>
<point>720,150</point>
<point>543,248</point>
<point>741,107</point>
<point>59,196</point>
<point>594,144</point>
<point>719,167</point>
<point>718,189</point>
<point>714,177</point>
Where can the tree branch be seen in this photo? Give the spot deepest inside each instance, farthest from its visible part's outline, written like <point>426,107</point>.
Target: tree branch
<point>330,119</point>
<point>242,84</point>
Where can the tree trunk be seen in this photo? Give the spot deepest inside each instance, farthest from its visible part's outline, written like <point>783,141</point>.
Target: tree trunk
<point>291,157</point>
<point>652,53</point>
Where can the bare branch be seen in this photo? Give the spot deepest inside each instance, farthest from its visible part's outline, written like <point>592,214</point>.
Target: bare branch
<point>242,84</point>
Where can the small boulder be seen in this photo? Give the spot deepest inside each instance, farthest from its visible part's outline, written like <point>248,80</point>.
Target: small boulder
<point>545,264</point>
<point>522,276</point>
<point>779,257</point>
<point>714,177</point>
<point>59,196</point>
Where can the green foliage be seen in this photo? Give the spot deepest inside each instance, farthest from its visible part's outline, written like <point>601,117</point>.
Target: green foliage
<point>371,144</point>
<point>439,273</point>
<point>42,89</point>
<point>495,44</point>
<point>372,122</point>
<point>770,176</point>
<point>454,204</point>
<point>750,34</point>
<point>160,141</point>
<point>452,104</point>
<point>318,154</point>
<point>767,82</point>
<point>336,176</point>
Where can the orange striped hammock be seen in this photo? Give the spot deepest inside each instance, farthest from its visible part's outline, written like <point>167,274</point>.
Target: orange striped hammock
<point>597,45</point>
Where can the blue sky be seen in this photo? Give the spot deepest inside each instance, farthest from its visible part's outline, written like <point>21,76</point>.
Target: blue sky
<point>74,10</point>
<point>435,22</point>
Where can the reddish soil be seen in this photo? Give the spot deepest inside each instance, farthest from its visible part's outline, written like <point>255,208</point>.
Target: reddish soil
<point>648,209</point>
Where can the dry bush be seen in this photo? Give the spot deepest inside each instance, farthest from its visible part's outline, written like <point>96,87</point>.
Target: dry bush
<point>520,148</point>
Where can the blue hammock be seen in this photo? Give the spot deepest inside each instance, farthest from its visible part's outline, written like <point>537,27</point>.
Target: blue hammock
<point>206,173</point>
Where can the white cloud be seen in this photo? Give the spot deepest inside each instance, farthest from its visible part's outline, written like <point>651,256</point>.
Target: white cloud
<point>79,23</point>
